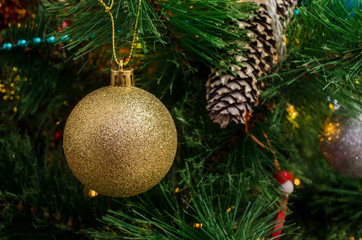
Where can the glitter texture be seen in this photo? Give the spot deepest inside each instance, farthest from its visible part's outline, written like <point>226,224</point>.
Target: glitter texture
<point>341,145</point>
<point>120,141</point>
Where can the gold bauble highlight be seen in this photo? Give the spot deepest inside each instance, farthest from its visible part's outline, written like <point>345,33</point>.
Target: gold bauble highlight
<point>120,141</point>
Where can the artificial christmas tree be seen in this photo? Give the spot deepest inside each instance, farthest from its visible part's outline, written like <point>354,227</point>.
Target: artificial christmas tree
<point>225,183</point>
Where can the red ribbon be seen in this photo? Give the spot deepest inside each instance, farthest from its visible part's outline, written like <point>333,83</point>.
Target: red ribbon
<point>280,219</point>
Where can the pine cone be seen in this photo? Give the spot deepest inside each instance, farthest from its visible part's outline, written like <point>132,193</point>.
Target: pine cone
<point>231,98</point>
<point>285,10</point>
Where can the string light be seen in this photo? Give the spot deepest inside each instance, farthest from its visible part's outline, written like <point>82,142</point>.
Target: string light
<point>177,190</point>
<point>292,115</point>
<point>197,225</point>
<point>9,88</point>
<point>92,193</point>
<point>331,106</point>
<point>230,208</point>
<point>292,112</point>
<point>35,41</point>
<point>297,182</point>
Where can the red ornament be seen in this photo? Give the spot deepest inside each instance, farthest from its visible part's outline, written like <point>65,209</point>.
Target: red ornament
<point>286,185</point>
<point>283,176</point>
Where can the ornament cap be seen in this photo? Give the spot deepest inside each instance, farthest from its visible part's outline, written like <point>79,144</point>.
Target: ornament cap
<point>122,78</point>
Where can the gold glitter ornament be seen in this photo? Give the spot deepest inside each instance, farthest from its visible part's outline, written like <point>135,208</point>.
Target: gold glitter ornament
<point>120,140</point>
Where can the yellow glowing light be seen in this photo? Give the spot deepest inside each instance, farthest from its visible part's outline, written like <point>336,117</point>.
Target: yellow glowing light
<point>15,69</point>
<point>92,193</point>
<point>191,7</point>
<point>331,107</point>
<point>197,225</point>
<point>357,83</point>
<point>197,36</point>
<point>230,208</point>
<point>5,97</point>
<point>292,113</point>
<point>296,182</point>
<point>57,123</point>
<point>177,190</point>
<point>19,25</point>
<point>15,109</point>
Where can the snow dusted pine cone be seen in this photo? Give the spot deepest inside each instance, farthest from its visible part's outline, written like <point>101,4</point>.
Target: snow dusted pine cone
<point>232,97</point>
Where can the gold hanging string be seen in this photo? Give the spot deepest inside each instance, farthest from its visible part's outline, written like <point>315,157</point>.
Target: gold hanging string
<point>108,10</point>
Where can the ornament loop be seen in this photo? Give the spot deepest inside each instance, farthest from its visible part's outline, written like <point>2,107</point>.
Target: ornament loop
<point>122,78</point>
<point>108,9</point>
<point>120,65</point>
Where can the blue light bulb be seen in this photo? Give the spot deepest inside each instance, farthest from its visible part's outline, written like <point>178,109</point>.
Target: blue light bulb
<point>36,40</point>
<point>7,46</point>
